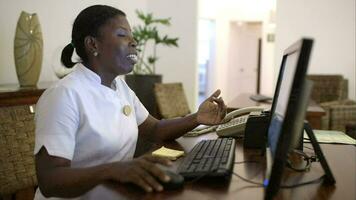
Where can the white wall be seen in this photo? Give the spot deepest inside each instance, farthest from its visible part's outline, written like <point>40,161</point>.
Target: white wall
<point>56,19</point>
<point>332,25</point>
<point>179,64</point>
<point>224,12</point>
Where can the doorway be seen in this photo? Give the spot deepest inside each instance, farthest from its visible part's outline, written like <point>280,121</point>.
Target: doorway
<point>206,48</point>
<point>244,55</point>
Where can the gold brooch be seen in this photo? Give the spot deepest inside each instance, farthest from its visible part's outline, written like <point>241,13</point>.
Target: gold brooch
<point>126,110</point>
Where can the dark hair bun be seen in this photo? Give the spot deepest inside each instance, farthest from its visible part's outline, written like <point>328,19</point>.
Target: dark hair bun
<point>66,57</point>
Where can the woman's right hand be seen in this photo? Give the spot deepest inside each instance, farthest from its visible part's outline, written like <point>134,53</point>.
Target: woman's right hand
<point>141,171</point>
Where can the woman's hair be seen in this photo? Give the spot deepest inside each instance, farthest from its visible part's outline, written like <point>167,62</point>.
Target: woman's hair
<point>87,23</point>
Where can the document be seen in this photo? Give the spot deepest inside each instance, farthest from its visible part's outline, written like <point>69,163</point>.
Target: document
<point>331,137</point>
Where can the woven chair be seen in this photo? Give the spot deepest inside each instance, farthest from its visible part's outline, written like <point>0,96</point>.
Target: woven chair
<point>17,166</point>
<point>331,92</point>
<point>171,100</point>
<point>338,114</point>
<point>328,88</point>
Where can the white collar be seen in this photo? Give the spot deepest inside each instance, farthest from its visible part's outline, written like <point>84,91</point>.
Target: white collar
<point>93,77</point>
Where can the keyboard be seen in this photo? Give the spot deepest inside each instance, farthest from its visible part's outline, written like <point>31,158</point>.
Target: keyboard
<point>211,158</point>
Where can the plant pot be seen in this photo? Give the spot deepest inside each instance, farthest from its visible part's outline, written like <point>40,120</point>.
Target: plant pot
<point>143,86</point>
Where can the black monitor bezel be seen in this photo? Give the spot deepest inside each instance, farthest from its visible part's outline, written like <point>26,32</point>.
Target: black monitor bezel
<point>278,86</point>
<point>304,47</point>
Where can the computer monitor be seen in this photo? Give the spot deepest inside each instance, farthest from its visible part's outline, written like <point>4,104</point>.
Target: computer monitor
<point>287,113</point>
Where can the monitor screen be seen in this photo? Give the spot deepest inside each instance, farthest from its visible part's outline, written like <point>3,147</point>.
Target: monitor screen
<point>287,112</point>
<point>281,100</point>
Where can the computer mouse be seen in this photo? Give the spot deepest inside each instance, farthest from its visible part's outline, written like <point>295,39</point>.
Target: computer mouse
<point>176,182</point>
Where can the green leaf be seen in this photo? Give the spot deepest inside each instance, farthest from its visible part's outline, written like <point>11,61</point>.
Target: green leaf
<point>146,32</point>
<point>152,59</point>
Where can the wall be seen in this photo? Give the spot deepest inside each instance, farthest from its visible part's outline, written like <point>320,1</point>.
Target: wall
<point>225,12</point>
<point>176,64</point>
<point>56,19</point>
<point>331,24</point>
<point>179,64</point>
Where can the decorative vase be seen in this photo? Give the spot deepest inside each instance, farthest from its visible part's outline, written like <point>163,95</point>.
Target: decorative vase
<point>28,49</point>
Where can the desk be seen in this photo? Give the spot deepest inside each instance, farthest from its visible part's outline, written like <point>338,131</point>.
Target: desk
<point>343,168</point>
<point>314,111</point>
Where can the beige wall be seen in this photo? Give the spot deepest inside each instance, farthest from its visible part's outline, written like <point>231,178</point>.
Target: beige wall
<point>56,19</point>
<point>179,64</point>
<point>332,25</point>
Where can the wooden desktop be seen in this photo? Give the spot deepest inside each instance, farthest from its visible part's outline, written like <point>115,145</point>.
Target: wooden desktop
<point>314,111</point>
<point>343,168</point>
<point>341,158</point>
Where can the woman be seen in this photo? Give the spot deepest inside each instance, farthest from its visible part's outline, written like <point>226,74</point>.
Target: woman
<point>88,123</point>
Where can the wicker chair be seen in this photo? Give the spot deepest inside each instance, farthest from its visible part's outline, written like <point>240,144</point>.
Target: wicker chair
<point>328,88</point>
<point>171,100</point>
<point>331,92</point>
<point>338,114</point>
<point>17,167</point>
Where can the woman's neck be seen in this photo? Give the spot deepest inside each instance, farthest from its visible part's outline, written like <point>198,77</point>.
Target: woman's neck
<point>106,77</point>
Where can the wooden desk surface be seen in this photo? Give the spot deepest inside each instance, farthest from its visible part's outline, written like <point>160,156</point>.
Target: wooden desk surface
<point>341,158</point>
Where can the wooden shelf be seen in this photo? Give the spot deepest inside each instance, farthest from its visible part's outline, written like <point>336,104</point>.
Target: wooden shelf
<point>14,95</point>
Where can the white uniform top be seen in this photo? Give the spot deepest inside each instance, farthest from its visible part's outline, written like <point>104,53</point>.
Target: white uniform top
<point>82,120</point>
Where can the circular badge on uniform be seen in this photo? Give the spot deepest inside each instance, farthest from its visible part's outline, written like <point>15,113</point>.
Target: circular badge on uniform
<point>127,110</point>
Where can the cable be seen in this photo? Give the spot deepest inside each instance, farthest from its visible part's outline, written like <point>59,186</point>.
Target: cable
<point>246,180</point>
<point>258,184</point>
<point>282,186</point>
<point>304,183</point>
<point>308,148</point>
<point>211,171</point>
<point>304,169</point>
<point>307,158</point>
<point>246,161</point>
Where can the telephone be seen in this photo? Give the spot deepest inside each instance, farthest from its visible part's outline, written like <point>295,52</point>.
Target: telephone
<point>234,123</point>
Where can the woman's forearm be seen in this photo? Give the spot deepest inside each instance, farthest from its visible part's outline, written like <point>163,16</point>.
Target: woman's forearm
<point>72,182</point>
<point>174,128</point>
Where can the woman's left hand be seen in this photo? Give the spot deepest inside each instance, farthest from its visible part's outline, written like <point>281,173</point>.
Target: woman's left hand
<point>212,111</point>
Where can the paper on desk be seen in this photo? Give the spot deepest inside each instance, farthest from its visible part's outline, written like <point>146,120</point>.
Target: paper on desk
<point>331,137</point>
<point>168,153</point>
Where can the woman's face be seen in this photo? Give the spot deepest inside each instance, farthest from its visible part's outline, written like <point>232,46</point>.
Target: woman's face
<point>116,46</point>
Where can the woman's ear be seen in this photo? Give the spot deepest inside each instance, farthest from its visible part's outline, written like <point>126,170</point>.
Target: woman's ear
<point>91,46</point>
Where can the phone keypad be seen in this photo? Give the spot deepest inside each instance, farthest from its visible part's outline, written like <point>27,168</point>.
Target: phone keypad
<point>235,121</point>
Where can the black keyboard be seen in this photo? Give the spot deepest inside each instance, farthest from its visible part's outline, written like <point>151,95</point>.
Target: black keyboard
<point>210,158</point>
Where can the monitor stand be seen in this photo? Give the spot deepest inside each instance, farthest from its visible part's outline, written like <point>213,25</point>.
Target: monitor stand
<point>328,178</point>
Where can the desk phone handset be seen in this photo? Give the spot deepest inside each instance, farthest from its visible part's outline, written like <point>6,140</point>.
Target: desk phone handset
<point>234,126</point>
<point>236,122</point>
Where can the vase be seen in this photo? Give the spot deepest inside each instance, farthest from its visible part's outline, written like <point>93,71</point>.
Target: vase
<point>28,49</point>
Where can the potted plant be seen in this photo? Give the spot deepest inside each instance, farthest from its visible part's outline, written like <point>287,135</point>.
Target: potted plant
<point>144,75</point>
